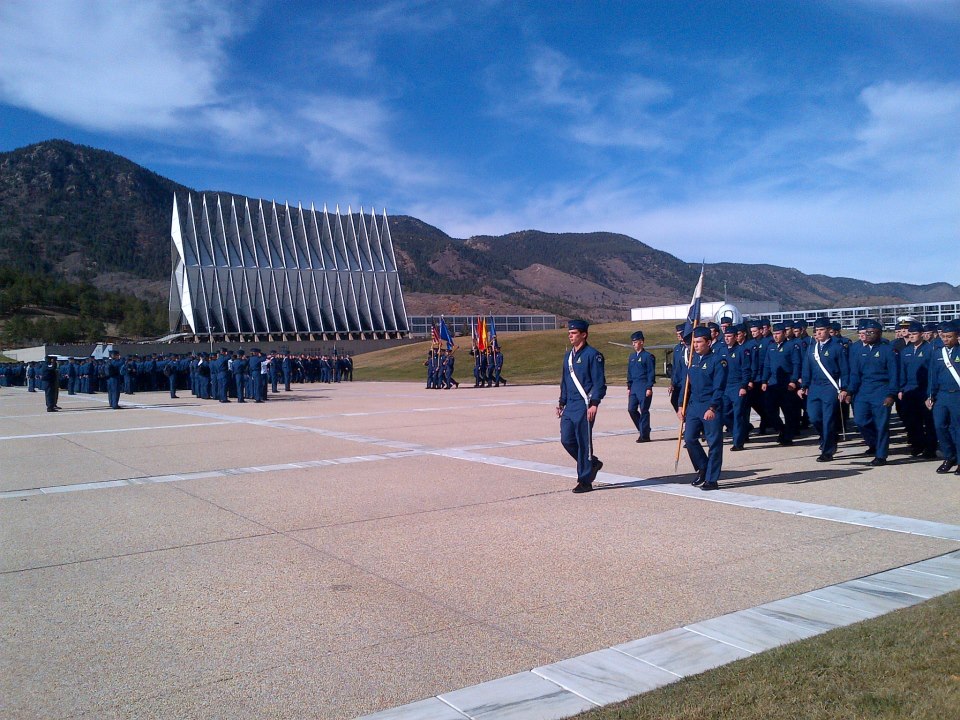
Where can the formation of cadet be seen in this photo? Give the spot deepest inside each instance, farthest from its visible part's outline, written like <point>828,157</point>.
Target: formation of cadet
<point>794,381</point>
<point>440,363</point>
<point>488,366</point>
<point>217,376</point>
<point>583,385</point>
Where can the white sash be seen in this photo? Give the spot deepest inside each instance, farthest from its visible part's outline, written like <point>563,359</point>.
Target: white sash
<point>816,356</point>
<point>949,364</point>
<point>576,380</point>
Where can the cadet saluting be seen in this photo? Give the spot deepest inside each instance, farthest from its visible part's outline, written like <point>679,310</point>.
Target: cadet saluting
<point>583,385</point>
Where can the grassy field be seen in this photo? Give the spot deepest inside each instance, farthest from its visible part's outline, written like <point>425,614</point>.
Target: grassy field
<point>529,357</point>
<point>902,665</point>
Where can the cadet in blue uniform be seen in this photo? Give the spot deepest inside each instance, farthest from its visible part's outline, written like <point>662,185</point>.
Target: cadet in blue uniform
<point>583,385</point>
<point>917,419</point>
<point>241,375</point>
<point>678,364</point>
<point>114,372</point>
<point>943,395</point>
<point>50,377</point>
<point>824,379</point>
<point>708,378</point>
<point>641,370</point>
<point>874,383</point>
<point>779,377</point>
<point>736,403</point>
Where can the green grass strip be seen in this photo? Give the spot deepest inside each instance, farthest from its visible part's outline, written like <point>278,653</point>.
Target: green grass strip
<point>905,664</point>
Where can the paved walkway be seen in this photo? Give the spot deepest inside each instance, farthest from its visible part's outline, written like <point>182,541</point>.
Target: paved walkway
<point>352,548</point>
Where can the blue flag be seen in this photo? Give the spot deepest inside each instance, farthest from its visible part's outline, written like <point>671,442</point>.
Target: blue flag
<point>445,333</point>
<point>693,314</point>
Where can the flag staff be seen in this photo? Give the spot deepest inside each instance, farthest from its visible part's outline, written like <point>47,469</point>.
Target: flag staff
<point>693,321</point>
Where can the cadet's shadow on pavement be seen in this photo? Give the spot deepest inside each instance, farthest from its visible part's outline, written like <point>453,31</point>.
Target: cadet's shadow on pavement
<point>678,479</point>
<point>794,478</point>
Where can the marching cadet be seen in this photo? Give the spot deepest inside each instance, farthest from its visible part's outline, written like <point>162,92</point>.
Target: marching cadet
<point>874,383</point>
<point>736,406</point>
<point>824,378</point>
<point>678,368</point>
<point>583,385</point>
<point>781,370</point>
<point>286,367</point>
<point>707,378</point>
<point>89,383</point>
<point>943,394</point>
<point>448,365</point>
<point>73,374</point>
<point>172,372</point>
<point>915,359</point>
<point>641,375</point>
<point>498,365</point>
<point>430,364</point>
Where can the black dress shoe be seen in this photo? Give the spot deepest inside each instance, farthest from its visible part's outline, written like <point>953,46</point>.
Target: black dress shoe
<point>596,465</point>
<point>946,467</point>
<point>735,448</point>
<point>700,478</point>
<point>639,440</point>
<point>583,488</point>
<point>916,452</point>
<point>877,462</point>
<point>710,486</point>
<point>870,451</point>
<point>929,454</point>
<point>825,457</point>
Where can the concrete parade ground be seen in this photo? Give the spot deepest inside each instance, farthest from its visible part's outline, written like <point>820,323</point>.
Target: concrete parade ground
<point>347,549</point>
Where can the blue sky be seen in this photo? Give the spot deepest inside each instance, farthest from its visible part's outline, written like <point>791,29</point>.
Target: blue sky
<point>818,135</point>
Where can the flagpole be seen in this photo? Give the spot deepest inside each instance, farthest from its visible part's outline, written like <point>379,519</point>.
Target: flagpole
<point>693,317</point>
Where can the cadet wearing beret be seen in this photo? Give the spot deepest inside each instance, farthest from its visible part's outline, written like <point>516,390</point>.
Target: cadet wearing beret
<point>736,405</point>
<point>641,370</point>
<point>678,367</point>
<point>708,378</point>
<point>874,384</point>
<point>824,378</point>
<point>917,418</point>
<point>583,385</point>
<point>943,394</point>
<point>781,372</point>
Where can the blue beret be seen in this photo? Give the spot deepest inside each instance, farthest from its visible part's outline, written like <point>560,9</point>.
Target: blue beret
<point>713,326</point>
<point>835,326</point>
<point>728,320</point>
<point>872,325</point>
<point>915,327</point>
<point>638,335</point>
<point>680,327</point>
<point>764,322</point>
<point>731,329</point>
<point>862,323</point>
<point>930,327</point>
<point>950,326</point>
<point>756,323</point>
<point>800,324</point>
<point>787,324</point>
<point>701,331</point>
<point>580,325</point>
<point>821,322</point>
<point>779,327</point>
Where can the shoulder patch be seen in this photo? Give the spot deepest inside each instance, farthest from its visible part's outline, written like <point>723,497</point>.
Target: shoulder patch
<point>599,357</point>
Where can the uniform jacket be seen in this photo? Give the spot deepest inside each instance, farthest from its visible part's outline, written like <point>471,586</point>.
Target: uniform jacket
<point>641,370</point>
<point>874,369</point>
<point>941,380</point>
<point>834,359</point>
<point>708,380</point>
<point>589,369</point>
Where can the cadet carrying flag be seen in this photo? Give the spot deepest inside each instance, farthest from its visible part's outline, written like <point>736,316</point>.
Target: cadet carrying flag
<point>693,314</point>
<point>481,333</point>
<point>493,332</point>
<point>444,334</point>
<point>435,334</point>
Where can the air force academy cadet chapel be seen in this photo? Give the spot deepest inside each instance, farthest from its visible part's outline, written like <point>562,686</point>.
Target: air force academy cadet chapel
<point>248,269</point>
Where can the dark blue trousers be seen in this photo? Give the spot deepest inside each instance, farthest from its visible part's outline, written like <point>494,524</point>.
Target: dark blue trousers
<point>576,436</point>
<point>712,432</point>
<point>823,408</point>
<point>639,410</point>
<point>873,420</point>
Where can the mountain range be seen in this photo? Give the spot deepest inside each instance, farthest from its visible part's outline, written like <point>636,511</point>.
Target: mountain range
<point>80,214</point>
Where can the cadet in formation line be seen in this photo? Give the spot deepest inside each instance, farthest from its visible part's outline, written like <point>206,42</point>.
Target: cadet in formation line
<point>219,376</point>
<point>794,381</point>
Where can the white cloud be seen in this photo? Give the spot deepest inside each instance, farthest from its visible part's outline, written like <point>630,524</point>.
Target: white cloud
<point>113,66</point>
